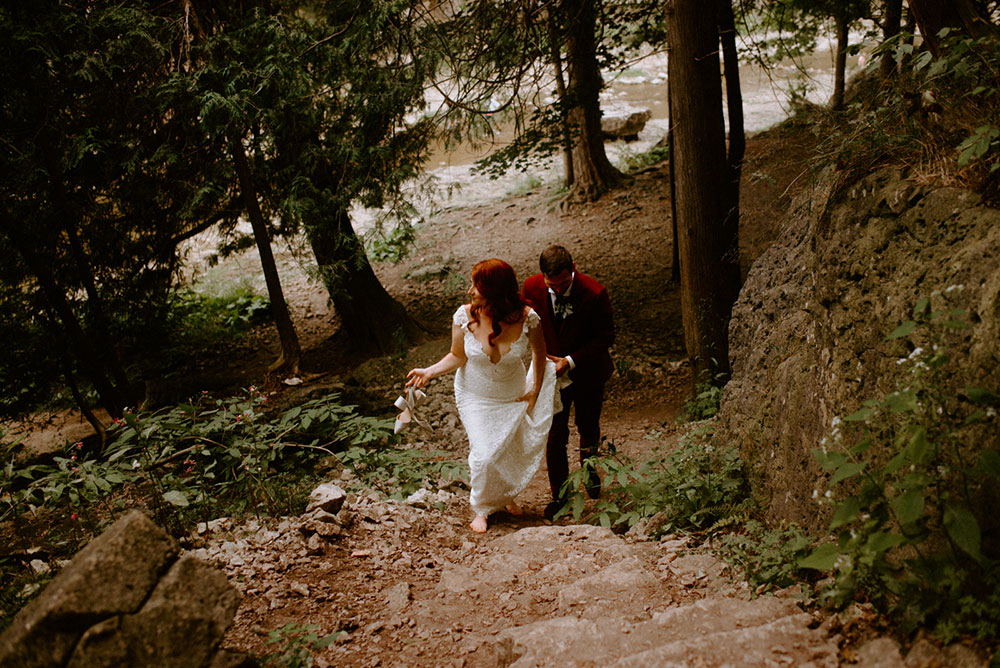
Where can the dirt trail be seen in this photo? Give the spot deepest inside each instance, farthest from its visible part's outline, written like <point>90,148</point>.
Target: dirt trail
<point>408,584</point>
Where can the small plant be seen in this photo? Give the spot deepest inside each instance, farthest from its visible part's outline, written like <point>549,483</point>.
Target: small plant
<point>525,185</point>
<point>706,399</point>
<point>632,162</point>
<point>296,645</point>
<point>704,403</point>
<point>906,490</point>
<point>203,457</point>
<point>393,246</point>
<point>694,485</point>
<point>767,557</point>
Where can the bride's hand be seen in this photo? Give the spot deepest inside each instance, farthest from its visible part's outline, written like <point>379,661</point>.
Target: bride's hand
<point>531,398</point>
<point>417,378</point>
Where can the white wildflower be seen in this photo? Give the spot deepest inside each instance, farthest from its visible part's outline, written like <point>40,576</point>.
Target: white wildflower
<point>952,288</point>
<point>135,464</point>
<point>828,494</point>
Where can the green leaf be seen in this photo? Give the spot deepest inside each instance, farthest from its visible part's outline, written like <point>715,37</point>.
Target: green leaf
<point>963,529</point>
<point>903,330</point>
<point>909,506</point>
<point>902,402</point>
<point>881,542</point>
<point>846,512</point>
<point>823,558</point>
<point>860,416</point>
<point>829,460</point>
<point>847,470</point>
<point>895,463</point>
<point>918,450</point>
<point>978,395</point>
<point>920,308</point>
<point>176,497</point>
<point>862,446</point>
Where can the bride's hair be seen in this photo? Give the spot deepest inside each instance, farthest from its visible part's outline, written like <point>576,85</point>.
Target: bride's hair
<point>497,283</point>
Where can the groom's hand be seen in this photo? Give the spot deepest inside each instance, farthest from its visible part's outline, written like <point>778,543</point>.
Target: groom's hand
<point>562,364</point>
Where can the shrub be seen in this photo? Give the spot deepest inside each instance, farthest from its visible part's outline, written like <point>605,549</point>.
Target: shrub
<point>906,525</point>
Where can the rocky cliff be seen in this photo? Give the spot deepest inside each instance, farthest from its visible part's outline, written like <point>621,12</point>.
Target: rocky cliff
<point>808,337</point>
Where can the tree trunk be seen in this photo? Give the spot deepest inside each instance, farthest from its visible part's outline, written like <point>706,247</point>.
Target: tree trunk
<point>290,350</point>
<point>675,261</point>
<point>555,41</point>
<point>113,398</point>
<point>105,342</point>
<point>890,28</point>
<point>840,62</point>
<point>709,275</point>
<point>737,136</point>
<point>933,15</point>
<point>375,323</point>
<point>593,173</point>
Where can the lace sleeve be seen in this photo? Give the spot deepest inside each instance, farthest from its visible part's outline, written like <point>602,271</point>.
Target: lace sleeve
<point>532,320</point>
<point>461,317</point>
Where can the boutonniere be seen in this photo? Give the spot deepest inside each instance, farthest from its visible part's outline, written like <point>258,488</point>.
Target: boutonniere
<point>563,308</point>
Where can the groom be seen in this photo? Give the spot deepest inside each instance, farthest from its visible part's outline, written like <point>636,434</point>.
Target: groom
<point>579,329</point>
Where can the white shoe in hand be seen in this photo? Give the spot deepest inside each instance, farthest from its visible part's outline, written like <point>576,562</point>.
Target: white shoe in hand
<point>408,405</point>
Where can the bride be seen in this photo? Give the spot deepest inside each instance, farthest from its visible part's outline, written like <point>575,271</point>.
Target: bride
<point>506,411</point>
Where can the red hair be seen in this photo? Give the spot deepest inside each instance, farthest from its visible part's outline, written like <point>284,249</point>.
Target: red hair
<point>497,283</point>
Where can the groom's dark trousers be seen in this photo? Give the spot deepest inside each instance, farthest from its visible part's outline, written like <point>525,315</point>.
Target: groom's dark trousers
<point>585,335</point>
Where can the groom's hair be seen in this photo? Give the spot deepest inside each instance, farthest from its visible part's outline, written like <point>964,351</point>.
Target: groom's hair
<point>555,260</point>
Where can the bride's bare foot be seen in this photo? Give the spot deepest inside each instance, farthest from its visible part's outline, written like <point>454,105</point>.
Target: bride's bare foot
<point>479,524</point>
<point>514,509</point>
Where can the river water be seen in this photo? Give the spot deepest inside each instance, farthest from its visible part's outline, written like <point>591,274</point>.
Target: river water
<point>642,86</point>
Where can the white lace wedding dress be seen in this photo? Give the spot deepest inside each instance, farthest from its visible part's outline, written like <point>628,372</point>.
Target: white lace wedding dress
<point>505,443</point>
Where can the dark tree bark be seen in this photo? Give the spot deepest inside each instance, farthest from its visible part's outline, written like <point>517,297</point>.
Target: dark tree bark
<point>737,135</point>
<point>675,261</point>
<point>555,41</point>
<point>709,274</point>
<point>290,350</point>
<point>95,305</point>
<point>890,28</point>
<point>842,22</point>
<point>113,398</point>
<point>933,15</point>
<point>593,172</point>
<point>375,323</point>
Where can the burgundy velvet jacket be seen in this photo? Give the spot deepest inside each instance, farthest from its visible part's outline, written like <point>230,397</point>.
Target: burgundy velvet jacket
<point>585,334</point>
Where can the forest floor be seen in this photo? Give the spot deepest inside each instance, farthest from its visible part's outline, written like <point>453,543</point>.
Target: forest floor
<point>409,584</point>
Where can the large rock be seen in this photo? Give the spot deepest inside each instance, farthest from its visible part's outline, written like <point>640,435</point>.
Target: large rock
<point>808,333</point>
<point>624,122</point>
<point>111,576</point>
<point>126,600</point>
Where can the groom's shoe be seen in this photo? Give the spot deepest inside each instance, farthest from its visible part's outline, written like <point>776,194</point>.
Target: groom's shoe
<point>555,505</point>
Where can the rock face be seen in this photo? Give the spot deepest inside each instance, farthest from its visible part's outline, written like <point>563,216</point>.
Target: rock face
<point>808,334</point>
<point>126,600</point>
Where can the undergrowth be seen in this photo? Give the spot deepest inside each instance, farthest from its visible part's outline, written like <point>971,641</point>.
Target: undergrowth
<point>194,462</point>
<point>691,486</point>
<point>912,482</point>
<point>937,115</point>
